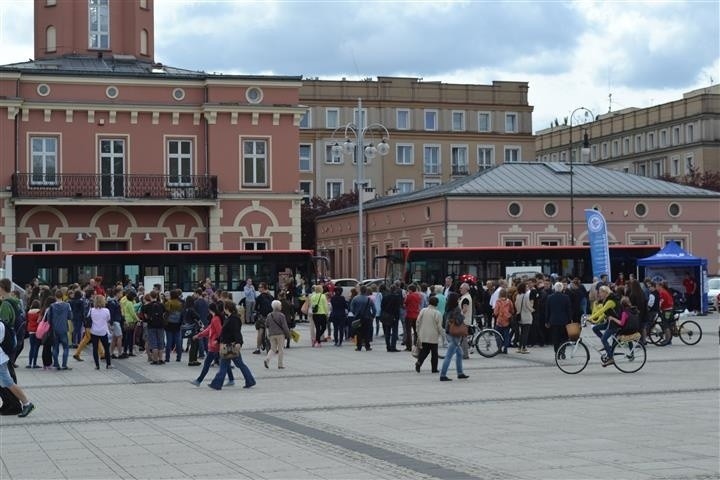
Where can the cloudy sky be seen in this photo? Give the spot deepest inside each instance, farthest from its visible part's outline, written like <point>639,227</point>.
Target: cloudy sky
<point>572,53</point>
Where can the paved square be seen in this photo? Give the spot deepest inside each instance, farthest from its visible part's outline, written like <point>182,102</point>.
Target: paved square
<point>335,413</point>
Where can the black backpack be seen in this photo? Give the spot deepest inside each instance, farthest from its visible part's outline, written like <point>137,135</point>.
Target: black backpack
<point>115,312</point>
<point>9,341</point>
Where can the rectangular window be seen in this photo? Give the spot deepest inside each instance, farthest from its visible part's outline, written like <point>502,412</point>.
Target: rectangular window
<point>641,170</point>
<point>550,243</point>
<point>331,157</point>
<point>402,119</point>
<point>675,166</point>
<point>43,246</point>
<point>650,140</point>
<point>332,118</point>
<point>431,120</point>
<point>486,157</point>
<point>432,182</point>
<point>604,150</point>
<point>431,159</point>
<point>657,169</point>
<point>511,124</point>
<point>514,243</point>
<point>404,154</point>
<point>305,157</point>
<point>676,136</point>
<point>404,186</point>
<point>305,121</point>
<point>615,148</point>
<point>626,145</point>
<point>362,120</point>
<point>689,166</point>
<point>112,167</point>
<point>663,138</point>
<point>180,246</point>
<point>689,133</point>
<point>593,153</point>
<point>179,162</point>
<point>512,154</point>
<point>333,189</point>
<point>458,121</point>
<point>255,245</point>
<point>459,159</point>
<point>638,143</point>
<point>255,163</point>
<point>44,160</point>
<point>306,189</point>
<point>484,122</point>
<point>99,24</point>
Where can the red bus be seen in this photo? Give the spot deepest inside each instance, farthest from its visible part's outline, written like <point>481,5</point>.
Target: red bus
<point>432,265</point>
<point>185,269</point>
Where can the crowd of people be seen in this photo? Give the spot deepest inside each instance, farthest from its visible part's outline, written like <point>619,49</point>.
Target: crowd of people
<point>124,321</point>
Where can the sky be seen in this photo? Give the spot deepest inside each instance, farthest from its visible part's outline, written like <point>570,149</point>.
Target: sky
<point>599,55</point>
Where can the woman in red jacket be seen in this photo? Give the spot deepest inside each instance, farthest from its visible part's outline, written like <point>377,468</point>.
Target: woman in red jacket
<point>211,332</point>
<point>33,318</point>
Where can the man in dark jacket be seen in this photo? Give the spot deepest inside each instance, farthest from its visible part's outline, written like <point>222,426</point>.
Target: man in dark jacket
<point>263,308</point>
<point>557,315</point>
<point>364,309</point>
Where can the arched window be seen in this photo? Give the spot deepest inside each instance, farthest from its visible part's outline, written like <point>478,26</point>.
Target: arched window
<point>50,39</point>
<point>143,42</point>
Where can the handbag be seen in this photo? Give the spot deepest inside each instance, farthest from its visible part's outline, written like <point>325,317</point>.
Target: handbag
<point>305,306</point>
<point>295,335</point>
<point>456,330</point>
<point>43,329</point>
<point>228,351</point>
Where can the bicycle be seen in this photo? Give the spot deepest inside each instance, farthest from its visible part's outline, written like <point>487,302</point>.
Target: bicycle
<point>688,331</point>
<point>629,354</point>
<point>487,341</point>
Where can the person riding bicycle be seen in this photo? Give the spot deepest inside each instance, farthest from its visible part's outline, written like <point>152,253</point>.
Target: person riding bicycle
<point>606,310</point>
<point>615,325</point>
<point>667,305</point>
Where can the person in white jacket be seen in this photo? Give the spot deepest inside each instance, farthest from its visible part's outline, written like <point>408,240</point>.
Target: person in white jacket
<point>429,333</point>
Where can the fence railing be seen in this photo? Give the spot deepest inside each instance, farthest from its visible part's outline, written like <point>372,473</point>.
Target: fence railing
<point>70,185</point>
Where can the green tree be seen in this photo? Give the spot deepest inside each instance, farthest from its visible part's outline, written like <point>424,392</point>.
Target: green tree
<point>317,206</point>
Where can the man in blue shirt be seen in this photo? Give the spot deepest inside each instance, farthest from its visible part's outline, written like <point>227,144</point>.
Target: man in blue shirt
<point>60,314</point>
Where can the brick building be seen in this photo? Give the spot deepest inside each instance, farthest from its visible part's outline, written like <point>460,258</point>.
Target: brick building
<point>104,148</point>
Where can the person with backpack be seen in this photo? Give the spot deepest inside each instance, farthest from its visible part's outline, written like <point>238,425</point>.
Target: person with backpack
<point>191,325</point>
<point>363,309</point>
<point>6,375</point>
<point>263,307</point>
<point>8,307</point>
<point>153,313</point>
<point>173,334</point>
<point>117,323</point>
<point>79,312</point>
<point>503,313</point>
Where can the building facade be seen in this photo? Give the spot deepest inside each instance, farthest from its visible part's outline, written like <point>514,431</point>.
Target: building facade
<point>526,204</point>
<point>103,148</point>
<point>437,132</point>
<point>672,139</point>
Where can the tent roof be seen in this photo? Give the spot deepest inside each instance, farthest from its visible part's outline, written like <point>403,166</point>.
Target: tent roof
<point>672,255</point>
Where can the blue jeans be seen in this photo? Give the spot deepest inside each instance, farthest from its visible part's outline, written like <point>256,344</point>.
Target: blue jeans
<point>217,382</point>
<point>453,349</point>
<point>77,334</point>
<point>505,332</point>
<point>173,339</point>
<point>34,349</point>
<point>391,334</point>
<point>605,331</point>
<point>209,359</point>
<point>61,338</point>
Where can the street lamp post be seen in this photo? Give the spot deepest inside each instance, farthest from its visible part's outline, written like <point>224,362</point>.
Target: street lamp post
<point>362,152</point>
<point>585,153</point>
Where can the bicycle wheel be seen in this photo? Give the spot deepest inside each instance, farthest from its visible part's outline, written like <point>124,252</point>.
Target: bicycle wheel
<point>655,332</point>
<point>689,332</point>
<point>572,357</point>
<point>488,342</point>
<point>629,356</point>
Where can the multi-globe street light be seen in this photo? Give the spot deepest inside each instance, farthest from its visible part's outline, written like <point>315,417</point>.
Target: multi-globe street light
<point>584,155</point>
<point>362,152</point>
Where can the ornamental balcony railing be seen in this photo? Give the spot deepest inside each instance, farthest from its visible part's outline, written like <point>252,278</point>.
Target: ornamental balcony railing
<point>99,186</point>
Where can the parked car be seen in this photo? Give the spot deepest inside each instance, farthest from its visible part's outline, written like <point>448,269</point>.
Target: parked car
<point>346,284</point>
<point>373,281</point>
<point>713,292</point>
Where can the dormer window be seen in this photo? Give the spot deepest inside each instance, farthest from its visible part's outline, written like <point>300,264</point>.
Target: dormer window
<point>99,24</point>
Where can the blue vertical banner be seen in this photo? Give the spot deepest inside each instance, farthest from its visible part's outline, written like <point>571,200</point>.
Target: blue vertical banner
<point>598,238</point>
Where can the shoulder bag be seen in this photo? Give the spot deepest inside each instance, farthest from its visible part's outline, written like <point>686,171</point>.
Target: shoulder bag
<point>456,330</point>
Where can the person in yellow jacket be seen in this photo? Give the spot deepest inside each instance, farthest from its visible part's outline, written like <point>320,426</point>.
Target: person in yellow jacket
<point>319,309</point>
<point>129,313</point>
